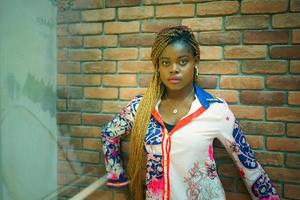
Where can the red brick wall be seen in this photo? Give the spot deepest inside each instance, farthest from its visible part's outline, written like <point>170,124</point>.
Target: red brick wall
<point>250,53</point>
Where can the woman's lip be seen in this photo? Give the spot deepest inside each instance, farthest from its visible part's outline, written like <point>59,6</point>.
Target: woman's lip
<point>174,80</point>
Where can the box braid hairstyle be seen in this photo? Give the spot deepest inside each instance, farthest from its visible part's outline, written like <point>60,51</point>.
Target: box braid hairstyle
<point>154,92</point>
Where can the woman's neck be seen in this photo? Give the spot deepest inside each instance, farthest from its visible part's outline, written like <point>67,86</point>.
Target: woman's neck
<point>179,95</point>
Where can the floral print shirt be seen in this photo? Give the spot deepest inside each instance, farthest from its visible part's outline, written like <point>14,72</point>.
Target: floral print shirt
<point>180,163</point>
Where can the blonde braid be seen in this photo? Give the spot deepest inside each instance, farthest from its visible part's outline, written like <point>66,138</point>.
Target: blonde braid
<point>154,92</point>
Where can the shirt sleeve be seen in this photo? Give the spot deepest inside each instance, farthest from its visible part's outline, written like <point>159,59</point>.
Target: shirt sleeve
<point>111,138</point>
<point>255,178</point>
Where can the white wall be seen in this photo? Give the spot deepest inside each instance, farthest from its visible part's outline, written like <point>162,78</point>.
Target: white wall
<point>28,137</point>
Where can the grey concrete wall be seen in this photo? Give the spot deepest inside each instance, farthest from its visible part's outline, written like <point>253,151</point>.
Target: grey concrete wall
<point>28,139</point>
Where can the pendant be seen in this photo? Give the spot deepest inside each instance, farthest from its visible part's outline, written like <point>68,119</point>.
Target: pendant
<point>175,111</point>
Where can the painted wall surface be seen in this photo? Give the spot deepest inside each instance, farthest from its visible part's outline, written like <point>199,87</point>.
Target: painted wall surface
<point>28,139</point>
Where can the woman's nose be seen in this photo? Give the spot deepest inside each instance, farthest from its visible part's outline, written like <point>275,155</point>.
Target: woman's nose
<point>174,68</point>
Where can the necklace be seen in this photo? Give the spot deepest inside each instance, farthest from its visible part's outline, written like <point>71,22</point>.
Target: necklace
<point>175,110</point>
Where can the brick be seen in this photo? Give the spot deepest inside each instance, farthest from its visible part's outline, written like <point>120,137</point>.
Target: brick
<point>135,67</point>
<point>245,51</point>
<point>256,142</point>
<point>62,30</point>
<point>113,106</point>
<point>236,196</point>
<point>84,105</point>
<point>285,52</point>
<point>121,3</point>
<point>85,55</point>
<point>294,98</point>
<point>264,66</point>
<point>85,28</point>
<point>106,14</point>
<point>133,40</point>
<point>262,97</point>
<point>155,25</point>
<point>295,67</point>
<point>145,54</point>
<point>264,6</point>
<point>293,130</point>
<point>70,191</point>
<point>232,82</point>
<point>270,158</point>
<point>187,10</point>
<point>68,67</point>
<point>61,55</point>
<point>207,81</point>
<point>105,195</point>
<point>295,5</point>
<point>70,143</point>
<point>296,36</point>
<point>287,20</point>
<point>68,118</point>
<point>230,96</point>
<point>217,8</point>
<point>84,156</point>
<point>247,22</point>
<point>203,24</point>
<point>101,41</point>
<point>293,160</point>
<point>61,105</point>
<point>99,67</point>
<point>83,131</point>
<point>144,80</point>
<point>210,53</point>
<point>130,93</point>
<point>219,38</point>
<point>79,80</point>
<point>87,4</point>
<point>96,119</point>
<point>120,54</point>
<point>91,143</point>
<point>69,41</point>
<point>283,144</point>
<point>283,174</point>
<point>266,37</point>
<point>228,170</point>
<point>63,130</point>
<point>121,27</point>
<point>283,114</point>
<point>136,12</point>
<point>263,128</point>
<point>248,112</point>
<point>100,93</point>
<point>68,17</point>
<point>283,82</point>
<point>120,80</point>
<point>155,2</point>
<point>291,191</point>
<point>61,79</point>
<point>70,92</point>
<point>218,67</point>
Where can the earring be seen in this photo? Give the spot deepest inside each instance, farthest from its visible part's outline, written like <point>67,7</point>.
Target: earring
<point>196,74</point>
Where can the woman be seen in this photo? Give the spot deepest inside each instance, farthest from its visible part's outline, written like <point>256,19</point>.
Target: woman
<point>173,126</point>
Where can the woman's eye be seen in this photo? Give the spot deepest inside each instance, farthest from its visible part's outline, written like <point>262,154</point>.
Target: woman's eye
<point>183,62</point>
<point>165,63</point>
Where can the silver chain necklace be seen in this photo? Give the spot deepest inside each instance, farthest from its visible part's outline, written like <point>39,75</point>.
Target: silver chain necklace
<point>175,110</point>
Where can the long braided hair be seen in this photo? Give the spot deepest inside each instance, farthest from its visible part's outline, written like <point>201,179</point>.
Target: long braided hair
<point>154,92</point>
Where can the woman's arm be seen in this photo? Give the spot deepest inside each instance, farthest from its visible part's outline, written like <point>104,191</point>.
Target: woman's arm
<point>255,178</point>
<point>111,138</point>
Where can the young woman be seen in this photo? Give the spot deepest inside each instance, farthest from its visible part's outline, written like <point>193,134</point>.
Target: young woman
<point>172,128</point>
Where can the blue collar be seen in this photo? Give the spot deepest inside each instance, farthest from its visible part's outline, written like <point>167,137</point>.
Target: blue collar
<point>204,97</point>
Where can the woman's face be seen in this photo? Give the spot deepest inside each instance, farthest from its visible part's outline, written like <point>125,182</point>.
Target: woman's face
<point>176,66</point>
